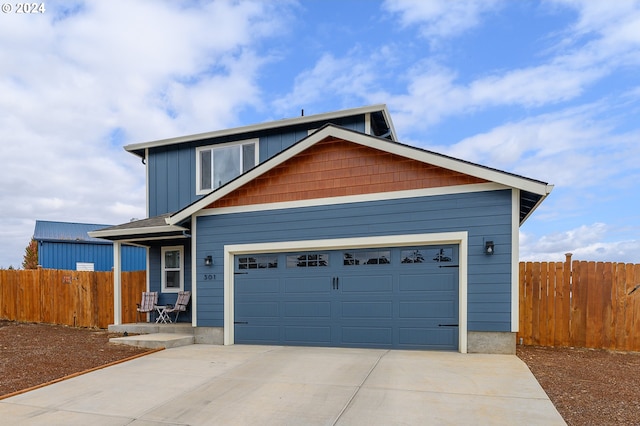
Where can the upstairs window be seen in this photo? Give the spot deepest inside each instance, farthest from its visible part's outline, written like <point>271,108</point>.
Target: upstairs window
<point>219,164</point>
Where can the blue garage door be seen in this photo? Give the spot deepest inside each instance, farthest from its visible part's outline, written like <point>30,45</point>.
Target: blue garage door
<point>402,297</point>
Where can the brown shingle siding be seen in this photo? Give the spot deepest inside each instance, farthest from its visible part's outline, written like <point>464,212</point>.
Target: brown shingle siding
<point>333,168</point>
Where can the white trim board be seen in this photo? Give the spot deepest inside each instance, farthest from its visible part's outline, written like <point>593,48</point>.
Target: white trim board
<point>491,175</point>
<point>367,110</point>
<point>515,260</point>
<point>138,231</point>
<point>347,199</point>
<point>460,238</point>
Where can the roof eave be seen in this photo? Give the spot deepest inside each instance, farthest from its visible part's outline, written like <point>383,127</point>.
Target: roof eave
<point>548,190</point>
<point>139,148</point>
<point>119,234</point>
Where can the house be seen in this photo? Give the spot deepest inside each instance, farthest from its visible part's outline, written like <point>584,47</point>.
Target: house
<point>67,246</point>
<point>325,230</point>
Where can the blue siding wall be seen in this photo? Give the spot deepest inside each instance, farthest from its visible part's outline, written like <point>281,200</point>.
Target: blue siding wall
<point>65,255</point>
<point>485,215</point>
<point>172,177</point>
<point>155,271</point>
<point>172,170</point>
<point>275,142</point>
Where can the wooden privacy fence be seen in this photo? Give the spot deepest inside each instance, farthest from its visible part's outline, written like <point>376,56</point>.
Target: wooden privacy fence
<point>580,304</point>
<point>75,298</point>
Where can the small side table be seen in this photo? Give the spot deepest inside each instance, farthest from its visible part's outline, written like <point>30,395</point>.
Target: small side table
<point>163,317</point>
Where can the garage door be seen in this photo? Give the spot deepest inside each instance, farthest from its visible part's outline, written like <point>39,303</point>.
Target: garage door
<point>402,297</point>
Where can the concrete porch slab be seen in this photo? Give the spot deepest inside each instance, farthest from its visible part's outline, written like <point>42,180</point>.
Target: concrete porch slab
<point>150,328</point>
<point>155,340</point>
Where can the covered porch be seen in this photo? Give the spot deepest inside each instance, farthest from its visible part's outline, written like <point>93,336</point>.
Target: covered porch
<point>168,266</point>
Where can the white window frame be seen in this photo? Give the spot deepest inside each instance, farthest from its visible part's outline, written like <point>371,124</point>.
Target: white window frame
<point>163,268</point>
<point>254,141</point>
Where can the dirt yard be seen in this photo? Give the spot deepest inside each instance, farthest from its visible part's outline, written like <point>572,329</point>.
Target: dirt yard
<point>588,387</point>
<point>32,354</point>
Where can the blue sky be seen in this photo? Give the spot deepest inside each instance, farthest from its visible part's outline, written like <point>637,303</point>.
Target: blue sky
<point>546,89</point>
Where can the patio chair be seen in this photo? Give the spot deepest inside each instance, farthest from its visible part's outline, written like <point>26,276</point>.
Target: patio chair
<point>147,304</point>
<point>181,304</point>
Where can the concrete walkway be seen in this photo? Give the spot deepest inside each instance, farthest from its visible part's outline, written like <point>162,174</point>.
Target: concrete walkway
<point>272,385</point>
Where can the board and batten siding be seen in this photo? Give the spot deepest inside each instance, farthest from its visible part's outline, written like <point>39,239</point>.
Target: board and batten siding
<point>274,142</point>
<point>155,273</point>
<point>484,215</point>
<point>172,179</point>
<point>172,169</point>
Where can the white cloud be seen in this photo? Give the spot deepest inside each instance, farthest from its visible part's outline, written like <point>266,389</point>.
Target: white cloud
<point>600,16</point>
<point>434,92</point>
<point>351,77</point>
<point>571,148</point>
<point>78,83</point>
<point>587,242</point>
<point>441,18</point>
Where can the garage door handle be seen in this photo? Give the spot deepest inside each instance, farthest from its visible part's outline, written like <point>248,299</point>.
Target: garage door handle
<point>241,322</point>
<point>333,283</point>
<point>447,325</point>
<point>337,283</point>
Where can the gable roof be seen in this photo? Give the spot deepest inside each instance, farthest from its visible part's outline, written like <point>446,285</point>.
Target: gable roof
<point>381,125</point>
<point>67,232</point>
<point>532,191</point>
<point>333,169</point>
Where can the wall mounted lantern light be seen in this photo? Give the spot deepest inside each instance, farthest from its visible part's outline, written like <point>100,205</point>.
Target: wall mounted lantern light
<point>208,261</point>
<point>488,247</point>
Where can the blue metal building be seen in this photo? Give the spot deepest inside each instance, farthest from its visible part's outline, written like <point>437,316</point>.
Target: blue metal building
<point>67,246</point>
<point>324,230</point>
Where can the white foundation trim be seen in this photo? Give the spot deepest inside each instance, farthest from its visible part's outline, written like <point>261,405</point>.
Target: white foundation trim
<point>460,238</point>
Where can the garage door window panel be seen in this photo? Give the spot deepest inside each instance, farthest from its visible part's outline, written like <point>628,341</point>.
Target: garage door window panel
<point>257,262</point>
<point>308,260</point>
<point>367,257</point>
<point>427,255</point>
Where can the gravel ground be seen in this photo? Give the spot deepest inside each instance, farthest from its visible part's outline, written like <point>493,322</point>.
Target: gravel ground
<point>32,354</point>
<point>588,387</point>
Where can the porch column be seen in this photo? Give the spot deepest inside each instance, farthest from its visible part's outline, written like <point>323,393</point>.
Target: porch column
<point>117,281</point>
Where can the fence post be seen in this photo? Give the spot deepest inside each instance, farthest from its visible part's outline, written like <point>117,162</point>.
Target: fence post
<point>566,309</point>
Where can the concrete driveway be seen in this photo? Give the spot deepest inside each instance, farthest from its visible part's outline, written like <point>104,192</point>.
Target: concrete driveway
<point>273,385</point>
